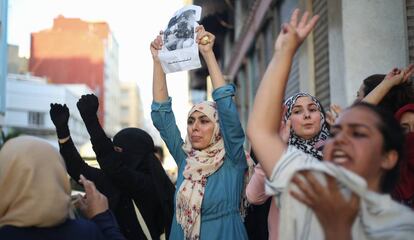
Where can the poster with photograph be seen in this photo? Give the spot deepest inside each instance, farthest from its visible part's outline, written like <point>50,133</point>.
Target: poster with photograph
<point>180,50</point>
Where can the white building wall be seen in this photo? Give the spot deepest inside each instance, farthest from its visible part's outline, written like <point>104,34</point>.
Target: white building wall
<point>131,112</point>
<point>27,94</point>
<point>366,37</point>
<point>112,88</point>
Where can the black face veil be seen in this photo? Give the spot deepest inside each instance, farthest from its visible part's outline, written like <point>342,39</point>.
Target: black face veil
<point>137,147</point>
<point>138,152</point>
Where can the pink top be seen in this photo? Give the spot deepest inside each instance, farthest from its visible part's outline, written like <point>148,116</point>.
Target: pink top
<point>255,193</point>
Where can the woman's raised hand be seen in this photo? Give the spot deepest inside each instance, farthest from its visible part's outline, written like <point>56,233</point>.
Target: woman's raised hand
<point>408,72</point>
<point>400,76</point>
<point>204,39</point>
<point>155,46</point>
<point>332,114</point>
<point>294,33</point>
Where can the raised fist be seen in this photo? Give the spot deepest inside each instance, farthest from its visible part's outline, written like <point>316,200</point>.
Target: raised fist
<point>88,106</point>
<point>60,116</point>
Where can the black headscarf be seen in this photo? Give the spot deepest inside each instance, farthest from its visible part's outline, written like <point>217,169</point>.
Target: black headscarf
<point>138,153</point>
<point>136,145</point>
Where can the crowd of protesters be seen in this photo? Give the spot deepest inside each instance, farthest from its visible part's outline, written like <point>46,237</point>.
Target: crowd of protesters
<point>335,174</point>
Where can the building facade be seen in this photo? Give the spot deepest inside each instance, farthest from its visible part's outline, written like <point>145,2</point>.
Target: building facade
<point>352,40</point>
<point>76,51</point>
<point>131,113</point>
<point>16,64</point>
<point>28,101</point>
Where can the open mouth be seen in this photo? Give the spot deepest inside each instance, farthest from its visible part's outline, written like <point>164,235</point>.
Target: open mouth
<point>340,157</point>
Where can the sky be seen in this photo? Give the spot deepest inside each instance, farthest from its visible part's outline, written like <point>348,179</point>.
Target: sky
<point>134,24</point>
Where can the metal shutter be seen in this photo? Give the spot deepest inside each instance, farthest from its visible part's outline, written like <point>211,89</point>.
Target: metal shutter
<point>293,83</point>
<point>410,29</point>
<point>321,51</point>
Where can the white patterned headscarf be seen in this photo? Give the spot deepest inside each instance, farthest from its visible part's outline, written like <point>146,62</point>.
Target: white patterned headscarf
<point>307,146</point>
<point>200,165</point>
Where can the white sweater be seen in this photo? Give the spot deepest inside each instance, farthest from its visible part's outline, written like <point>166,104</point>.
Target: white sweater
<point>379,216</point>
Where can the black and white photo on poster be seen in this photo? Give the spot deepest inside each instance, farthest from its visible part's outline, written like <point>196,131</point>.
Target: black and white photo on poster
<point>180,50</point>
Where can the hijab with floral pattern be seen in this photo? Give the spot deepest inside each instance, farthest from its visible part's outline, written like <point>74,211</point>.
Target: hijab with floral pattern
<point>200,165</point>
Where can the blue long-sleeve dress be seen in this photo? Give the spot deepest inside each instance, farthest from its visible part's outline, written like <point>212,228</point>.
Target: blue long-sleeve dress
<point>220,209</point>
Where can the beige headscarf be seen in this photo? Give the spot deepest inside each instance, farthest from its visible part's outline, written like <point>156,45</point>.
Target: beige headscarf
<point>34,186</point>
<point>200,165</point>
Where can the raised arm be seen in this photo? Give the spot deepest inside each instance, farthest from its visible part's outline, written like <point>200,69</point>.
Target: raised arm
<point>205,42</point>
<point>159,86</point>
<point>231,129</point>
<point>88,107</point>
<point>110,160</point>
<point>73,160</point>
<point>74,163</point>
<point>393,78</point>
<point>255,189</point>
<point>265,118</point>
<point>161,109</point>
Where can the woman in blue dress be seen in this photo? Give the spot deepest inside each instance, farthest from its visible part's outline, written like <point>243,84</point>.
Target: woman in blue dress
<point>211,161</point>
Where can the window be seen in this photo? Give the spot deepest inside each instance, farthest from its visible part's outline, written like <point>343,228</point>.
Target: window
<point>36,118</point>
<point>125,95</point>
<point>124,111</point>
